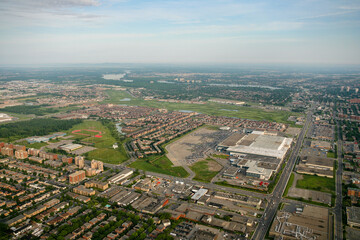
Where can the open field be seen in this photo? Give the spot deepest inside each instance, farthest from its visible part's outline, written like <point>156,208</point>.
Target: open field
<point>222,156</point>
<point>32,145</point>
<point>289,184</point>
<point>205,170</point>
<point>331,155</point>
<point>160,164</point>
<point>210,108</point>
<point>104,151</point>
<point>316,183</point>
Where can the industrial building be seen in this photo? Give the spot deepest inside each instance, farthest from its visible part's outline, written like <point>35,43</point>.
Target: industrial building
<point>201,192</point>
<point>353,216</point>
<point>257,155</point>
<point>260,144</point>
<point>71,147</point>
<point>121,176</point>
<point>310,223</point>
<point>312,165</point>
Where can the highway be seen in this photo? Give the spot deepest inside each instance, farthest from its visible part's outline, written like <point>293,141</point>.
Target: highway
<point>338,201</point>
<point>275,198</point>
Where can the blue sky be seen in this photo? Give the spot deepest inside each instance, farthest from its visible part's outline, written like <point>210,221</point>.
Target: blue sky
<point>97,31</point>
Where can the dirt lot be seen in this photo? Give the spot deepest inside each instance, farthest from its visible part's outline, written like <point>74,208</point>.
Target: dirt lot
<point>194,146</point>
<point>214,166</point>
<point>293,131</point>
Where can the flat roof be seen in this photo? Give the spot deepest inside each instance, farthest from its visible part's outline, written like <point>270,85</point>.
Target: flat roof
<point>260,144</point>
<point>201,192</point>
<point>313,160</point>
<point>353,214</point>
<point>71,146</point>
<point>232,139</point>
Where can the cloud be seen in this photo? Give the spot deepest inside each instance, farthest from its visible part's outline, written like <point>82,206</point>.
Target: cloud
<point>240,28</point>
<point>49,4</point>
<point>332,14</point>
<point>45,12</point>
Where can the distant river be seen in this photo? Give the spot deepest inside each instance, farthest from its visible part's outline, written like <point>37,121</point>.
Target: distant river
<point>241,85</point>
<point>113,76</point>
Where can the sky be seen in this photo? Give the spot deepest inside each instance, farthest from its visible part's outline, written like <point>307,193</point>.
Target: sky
<point>171,31</point>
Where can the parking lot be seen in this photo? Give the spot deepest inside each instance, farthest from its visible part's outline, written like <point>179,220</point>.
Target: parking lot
<point>195,146</point>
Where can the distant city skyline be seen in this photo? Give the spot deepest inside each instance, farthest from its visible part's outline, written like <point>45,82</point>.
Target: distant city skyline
<point>95,31</point>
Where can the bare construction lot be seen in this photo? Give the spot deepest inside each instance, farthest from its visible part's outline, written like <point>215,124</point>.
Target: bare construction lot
<point>194,146</point>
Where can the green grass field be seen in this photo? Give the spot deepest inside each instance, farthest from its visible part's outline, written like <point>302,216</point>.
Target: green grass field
<point>223,156</point>
<point>290,183</point>
<point>159,164</point>
<point>210,108</point>
<point>331,155</point>
<point>202,171</point>
<point>32,145</point>
<point>104,151</point>
<point>317,183</point>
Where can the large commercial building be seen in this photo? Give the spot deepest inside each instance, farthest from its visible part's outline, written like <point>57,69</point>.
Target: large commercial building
<point>353,216</point>
<point>259,143</point>
<point>76,177</point>
<point>310,223</point>
<point>71,147</point>
<point>121,176</point>
<point>311,165</point>
<point>257,155</point>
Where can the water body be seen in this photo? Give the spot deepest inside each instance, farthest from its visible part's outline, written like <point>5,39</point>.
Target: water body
<point>125,100</point>
<point>229,110</point>
<point>162,81</point>
<point>113,76</point>
<point>119,128</point>
<point>186,111</point>
<point>241,85</point>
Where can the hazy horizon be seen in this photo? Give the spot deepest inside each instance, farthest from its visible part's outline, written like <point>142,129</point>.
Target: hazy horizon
<point>178,32</point>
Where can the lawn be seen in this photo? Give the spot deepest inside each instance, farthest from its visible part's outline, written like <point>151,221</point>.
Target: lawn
<point>331,154</point>
<point>203,173</point>
<point>32,145</point>
<point>210,108</point>
<point>108,155</point>
<point>289,184</point>
<point>223,156</point>
<point>159,164</point>
<point>317,183</point>
<point>104,151</point>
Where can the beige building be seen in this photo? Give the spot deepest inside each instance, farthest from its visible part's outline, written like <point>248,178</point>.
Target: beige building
<point>97,165</point>
<point>79,161</point>
<point>84,191</point>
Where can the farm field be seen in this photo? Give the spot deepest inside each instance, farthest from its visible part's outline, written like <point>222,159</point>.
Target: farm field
<point>205,170</point>
<point>160,164</point>
<point>93,132</point>
<point>210,108</point>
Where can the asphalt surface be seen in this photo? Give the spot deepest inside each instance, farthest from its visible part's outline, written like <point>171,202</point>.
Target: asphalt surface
<point>275,198</point>
<point>338,201</point>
